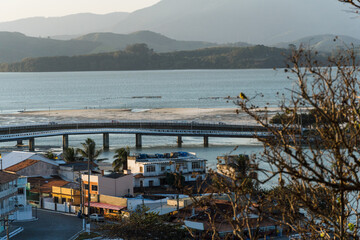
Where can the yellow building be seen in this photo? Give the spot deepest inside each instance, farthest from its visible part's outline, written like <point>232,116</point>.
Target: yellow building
<point>67,193</point>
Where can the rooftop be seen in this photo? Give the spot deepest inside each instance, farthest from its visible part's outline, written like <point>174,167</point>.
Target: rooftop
<point>165,157</point>
<point>21,165</point>
<point>6,177</point>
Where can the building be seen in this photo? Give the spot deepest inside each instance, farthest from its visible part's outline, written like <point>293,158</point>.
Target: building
<point>72,171</point>
<point>24,210</point>
<point>8,197</point>
<point>69,193</point>
<point>107,192</point>
<point>114,184</point>
<point>151,170</point>
<point>16,157</point>
<point>29,164</point>
<point>236,166</point>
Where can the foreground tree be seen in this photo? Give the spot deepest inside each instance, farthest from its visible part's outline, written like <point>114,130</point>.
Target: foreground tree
<point>120,159</point>
<point>142,224</point>
<point>318,171</point>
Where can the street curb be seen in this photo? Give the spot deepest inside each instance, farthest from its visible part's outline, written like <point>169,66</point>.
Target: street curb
<point>13,233</point>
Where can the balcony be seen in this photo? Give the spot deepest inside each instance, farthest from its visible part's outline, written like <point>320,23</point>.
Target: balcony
<point>7,210</point>
<point>8,192</point>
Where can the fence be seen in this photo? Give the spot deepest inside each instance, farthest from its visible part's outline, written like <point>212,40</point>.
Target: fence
<point>67,208</point>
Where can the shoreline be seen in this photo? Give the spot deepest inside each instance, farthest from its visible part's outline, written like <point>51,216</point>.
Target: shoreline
<point>225,115</point>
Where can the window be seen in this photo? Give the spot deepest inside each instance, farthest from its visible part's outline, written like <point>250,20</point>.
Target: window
<point>94,187</point>
<point>195,165</point>
<point>56,199</point>
<point>141,169</point>
<point>63,200</point>
<point>162,168</point>
<point>86,186</point>
<point>150,168</point>
<point>20,190</point>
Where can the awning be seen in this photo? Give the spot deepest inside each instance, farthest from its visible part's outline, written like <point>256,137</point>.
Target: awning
<point>105,206</point>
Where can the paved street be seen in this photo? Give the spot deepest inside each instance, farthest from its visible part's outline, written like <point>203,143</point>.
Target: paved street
<point>51,225</point>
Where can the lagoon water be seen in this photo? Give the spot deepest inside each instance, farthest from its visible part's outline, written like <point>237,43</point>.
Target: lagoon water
<point>126,89</point>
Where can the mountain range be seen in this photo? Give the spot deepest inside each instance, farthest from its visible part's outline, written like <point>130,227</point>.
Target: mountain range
<point>219,21</point>
<point>16,46</point>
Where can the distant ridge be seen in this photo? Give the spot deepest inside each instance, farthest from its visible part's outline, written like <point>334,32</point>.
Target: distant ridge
<point>159,43</point>
<point>16,46</point>
<point>75,24</point>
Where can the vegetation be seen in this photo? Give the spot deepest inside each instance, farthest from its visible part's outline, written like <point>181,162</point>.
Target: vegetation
<point>88,150</point>
<point>70,155</point>
<point>319,175</point>
<point>120,159</point>
<point>50,155</point>
<point>144,225</point>
<point>140,57</point>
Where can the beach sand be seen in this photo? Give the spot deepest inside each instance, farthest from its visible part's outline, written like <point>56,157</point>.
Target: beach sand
<point>226,115</point>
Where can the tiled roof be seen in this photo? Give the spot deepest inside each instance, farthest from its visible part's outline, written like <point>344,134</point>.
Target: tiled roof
<point>46,184</point>
<point>21,165</point>
<point>6,177</point>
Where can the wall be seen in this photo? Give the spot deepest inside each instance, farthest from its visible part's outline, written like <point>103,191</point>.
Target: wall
<point>113,200</point>
<point>116,187</point>
<point>39,169</point>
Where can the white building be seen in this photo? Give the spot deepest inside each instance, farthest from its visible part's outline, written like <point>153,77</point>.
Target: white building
<point>8,198</point>
<point>24,210</point>
<point>151,170</point>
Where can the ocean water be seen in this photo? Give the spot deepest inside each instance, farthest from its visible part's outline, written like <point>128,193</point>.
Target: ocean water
<point>140,90</point>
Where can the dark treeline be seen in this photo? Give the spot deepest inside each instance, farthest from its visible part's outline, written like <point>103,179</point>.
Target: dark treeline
<point>140,57</point>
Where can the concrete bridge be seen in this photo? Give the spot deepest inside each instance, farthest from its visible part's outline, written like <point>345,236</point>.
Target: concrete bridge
<point>138,128</point>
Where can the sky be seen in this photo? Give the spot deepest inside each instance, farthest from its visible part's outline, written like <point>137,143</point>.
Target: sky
<point>17,9</point>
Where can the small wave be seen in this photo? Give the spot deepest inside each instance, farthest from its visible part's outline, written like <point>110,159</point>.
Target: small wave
<point>138,110</point>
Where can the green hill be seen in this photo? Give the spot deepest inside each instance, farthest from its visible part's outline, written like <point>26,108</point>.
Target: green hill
<point>140,57</point>
<point>16,46</point>
<point>114,42</point>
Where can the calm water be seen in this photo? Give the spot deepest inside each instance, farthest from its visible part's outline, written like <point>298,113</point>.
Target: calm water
<point>175,89</point>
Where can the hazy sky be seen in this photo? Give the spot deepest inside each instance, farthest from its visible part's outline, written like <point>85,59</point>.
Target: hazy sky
<point>16,9</point>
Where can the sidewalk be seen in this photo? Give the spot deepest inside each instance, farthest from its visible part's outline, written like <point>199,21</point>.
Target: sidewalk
<point>13,230</point>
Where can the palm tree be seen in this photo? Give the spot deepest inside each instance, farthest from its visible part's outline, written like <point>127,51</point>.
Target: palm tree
<point>50,155</point>
<point>88,150</point>
<point>120,159</point>
<point>70,155</point>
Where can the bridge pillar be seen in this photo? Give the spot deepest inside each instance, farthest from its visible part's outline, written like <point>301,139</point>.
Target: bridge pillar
<point>179,141</point>
<point>206,141</point>
<point>65,141</point>
<point>138,142</point>
<point>31,144</point>
<point>106,141</point>
<point>19,143</point>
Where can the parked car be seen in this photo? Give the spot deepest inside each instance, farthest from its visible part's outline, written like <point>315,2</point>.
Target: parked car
<point>96,217</point>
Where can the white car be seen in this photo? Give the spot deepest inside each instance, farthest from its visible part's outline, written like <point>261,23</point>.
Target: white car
<point>97,217</point>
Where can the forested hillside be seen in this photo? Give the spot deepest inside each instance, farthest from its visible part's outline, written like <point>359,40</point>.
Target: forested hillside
<point>140,57</point>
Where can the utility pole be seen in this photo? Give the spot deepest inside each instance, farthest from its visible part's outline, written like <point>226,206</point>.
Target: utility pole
<point>89,186</point>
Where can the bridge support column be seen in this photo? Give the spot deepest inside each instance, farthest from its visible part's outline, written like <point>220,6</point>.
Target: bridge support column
<point>179,141</point>
<point>206,141</point>
<point>106,141</point>
<point>65,141</point>
<point>138,141</point>
<point>32,144</point>
<point>19,143</point>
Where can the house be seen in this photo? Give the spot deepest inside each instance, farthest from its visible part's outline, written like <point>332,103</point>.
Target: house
<point>24,210</point>
<point>197,219</point>
<point>29,164</point>
<point>151,170</point>
<point>72,171</point>
<point>236,166</point>
<point>68,193</point>
<point>109,206</point>
<point>114,184</point>
<point>8,197</point>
